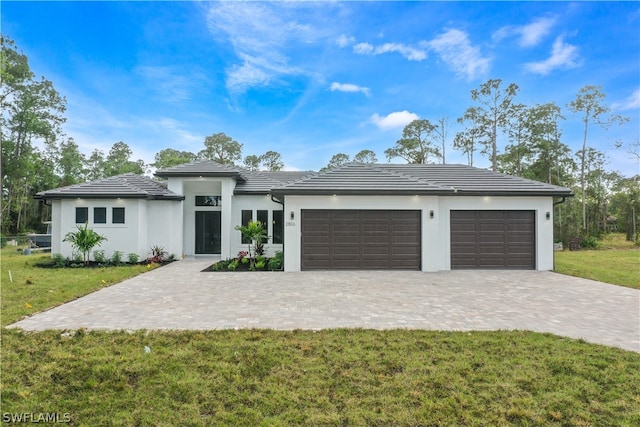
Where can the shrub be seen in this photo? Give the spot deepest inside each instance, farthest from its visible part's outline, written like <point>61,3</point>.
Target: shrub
<point>158,254</point>
<point>133,258</point>
<point>100,257</point>
<point>59,261</point>
<point>233,265</point>
<point>172,258</point>
<point>276,262</point>
<point>84,240</point>
<point>116,258</point>
<point>589,242</point>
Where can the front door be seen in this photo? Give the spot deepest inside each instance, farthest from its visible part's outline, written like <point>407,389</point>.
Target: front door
<point>208,232</point>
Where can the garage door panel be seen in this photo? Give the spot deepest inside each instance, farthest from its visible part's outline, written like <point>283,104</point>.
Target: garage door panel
<point>361,239</point>
<point>492,239</point>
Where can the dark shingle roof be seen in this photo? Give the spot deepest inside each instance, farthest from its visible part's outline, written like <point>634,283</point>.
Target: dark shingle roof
<point>388,179</point>
<point>128,185</point>
<point>201,168</point>
<point>261,182</point>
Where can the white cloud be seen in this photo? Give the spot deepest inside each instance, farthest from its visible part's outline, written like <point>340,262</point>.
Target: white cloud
<point>398,119</point>
<point>530,34</point>
<point>344,41</point>
<point>348,87</point>
<point>411,53</point>
<point>456,51</point>
<point>563,56</point>
<point>170,84</point>
<point>259,34</point>
<point>630,103</point>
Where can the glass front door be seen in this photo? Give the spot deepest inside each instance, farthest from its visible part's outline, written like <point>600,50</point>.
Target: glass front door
<point>208,232</point>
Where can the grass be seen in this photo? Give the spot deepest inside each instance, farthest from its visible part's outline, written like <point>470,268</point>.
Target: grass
<point>332,377</point>
<point>335,377</point>
<point>618,262</point>
<point>27,289</point>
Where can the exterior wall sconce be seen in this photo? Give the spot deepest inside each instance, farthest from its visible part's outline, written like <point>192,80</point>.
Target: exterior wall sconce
<point>292,215</point>
<point>431,214</point>
<point>548,215</point>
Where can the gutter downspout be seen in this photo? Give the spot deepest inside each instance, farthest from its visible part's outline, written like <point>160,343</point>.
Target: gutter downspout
<point>273,199</point>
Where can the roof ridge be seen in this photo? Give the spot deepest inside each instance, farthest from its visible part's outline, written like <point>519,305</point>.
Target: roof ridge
<point>415,178</point>
<point>130,184</point>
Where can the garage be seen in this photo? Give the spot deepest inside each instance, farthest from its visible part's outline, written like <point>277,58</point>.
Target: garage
<point>360,239</point>
<point>493,239</point>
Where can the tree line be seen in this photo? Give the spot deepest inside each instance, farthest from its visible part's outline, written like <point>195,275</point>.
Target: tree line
<point>37,156</point>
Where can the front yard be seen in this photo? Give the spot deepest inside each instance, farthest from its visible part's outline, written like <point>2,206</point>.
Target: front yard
<point>616,261</point>
<point>331,377</point>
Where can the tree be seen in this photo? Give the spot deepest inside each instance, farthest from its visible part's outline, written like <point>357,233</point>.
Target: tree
<point>84,240</point>
<point>589,103</point>
<point>467,140</point>
<point>252,162</point>
<point>256,235</point>
<point>222,149</point>
<point>336,161</point>
<point>118,161</point>
<point>494,112</point>
<point>365,156</point>
<point>169,157</point>
<point>31,111</point>
<point>272,161</point>
<point>441,131</point>
<point>70,163</point>
<point>416,144</point>
<point>95,165</point>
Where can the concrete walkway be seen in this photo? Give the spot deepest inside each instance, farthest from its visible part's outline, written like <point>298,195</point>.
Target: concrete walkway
<point>179,296</point>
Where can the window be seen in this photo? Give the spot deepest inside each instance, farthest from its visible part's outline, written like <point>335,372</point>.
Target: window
<point>208,200</point>
<point>99,215</point>
<point>278,220</point>
<point>117,216</point>
<point>263,218</point>
<point>82,215</point>
<point>247,216</point>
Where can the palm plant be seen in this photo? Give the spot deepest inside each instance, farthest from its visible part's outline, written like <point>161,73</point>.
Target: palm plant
<point>255,233</point>
<point>84,240</point>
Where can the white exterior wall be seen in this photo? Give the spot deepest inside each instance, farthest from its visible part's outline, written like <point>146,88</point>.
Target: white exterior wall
<point>147,223</point>
<point>120,237</point>
<point>436,247</point>
<point>253,203</point>
<point>163,226</point>
<point>541,205</point>
<point>57,233</point>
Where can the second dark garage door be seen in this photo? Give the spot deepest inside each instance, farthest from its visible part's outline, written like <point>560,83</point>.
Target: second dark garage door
<point>360,239</point>
<point>493,239</point>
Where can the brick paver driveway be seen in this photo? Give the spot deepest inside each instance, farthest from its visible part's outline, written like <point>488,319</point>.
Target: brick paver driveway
<point>179,296</point>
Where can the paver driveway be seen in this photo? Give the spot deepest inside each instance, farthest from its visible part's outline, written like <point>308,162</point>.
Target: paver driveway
<point>179,296</point>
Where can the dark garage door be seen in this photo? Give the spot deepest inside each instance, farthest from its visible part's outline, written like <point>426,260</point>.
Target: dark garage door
<point>360,239</point>
<point>493,239</point>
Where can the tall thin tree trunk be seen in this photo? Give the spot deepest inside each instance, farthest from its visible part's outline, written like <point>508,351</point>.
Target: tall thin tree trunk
<point>582,178</point>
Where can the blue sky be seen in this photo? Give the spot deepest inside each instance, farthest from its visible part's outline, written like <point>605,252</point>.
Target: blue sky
<point>313,79</point>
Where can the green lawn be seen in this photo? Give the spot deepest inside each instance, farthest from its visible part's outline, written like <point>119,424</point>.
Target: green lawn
<point>617,262</point>
<point>334,377</point>
<point>27,289</point>
<point>618,267</point>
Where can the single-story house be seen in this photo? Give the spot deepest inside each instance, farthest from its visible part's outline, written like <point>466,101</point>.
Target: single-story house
<point>358,216</point>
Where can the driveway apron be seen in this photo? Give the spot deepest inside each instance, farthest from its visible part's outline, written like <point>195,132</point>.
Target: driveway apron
<point>180,296</point>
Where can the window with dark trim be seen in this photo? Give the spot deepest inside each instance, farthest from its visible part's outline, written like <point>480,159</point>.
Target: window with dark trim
<point>278,222</point>
<point>247,216</point>
<point>117,216</point>
<point>263,218</point>
<point>82,215</point>
<point>208,200</point>
<point>99,215</point>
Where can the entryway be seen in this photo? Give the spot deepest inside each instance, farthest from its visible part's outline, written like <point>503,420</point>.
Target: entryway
<point>208,226</point>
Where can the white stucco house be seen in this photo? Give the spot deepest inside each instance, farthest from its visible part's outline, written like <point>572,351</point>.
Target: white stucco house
<point>359,216</point>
